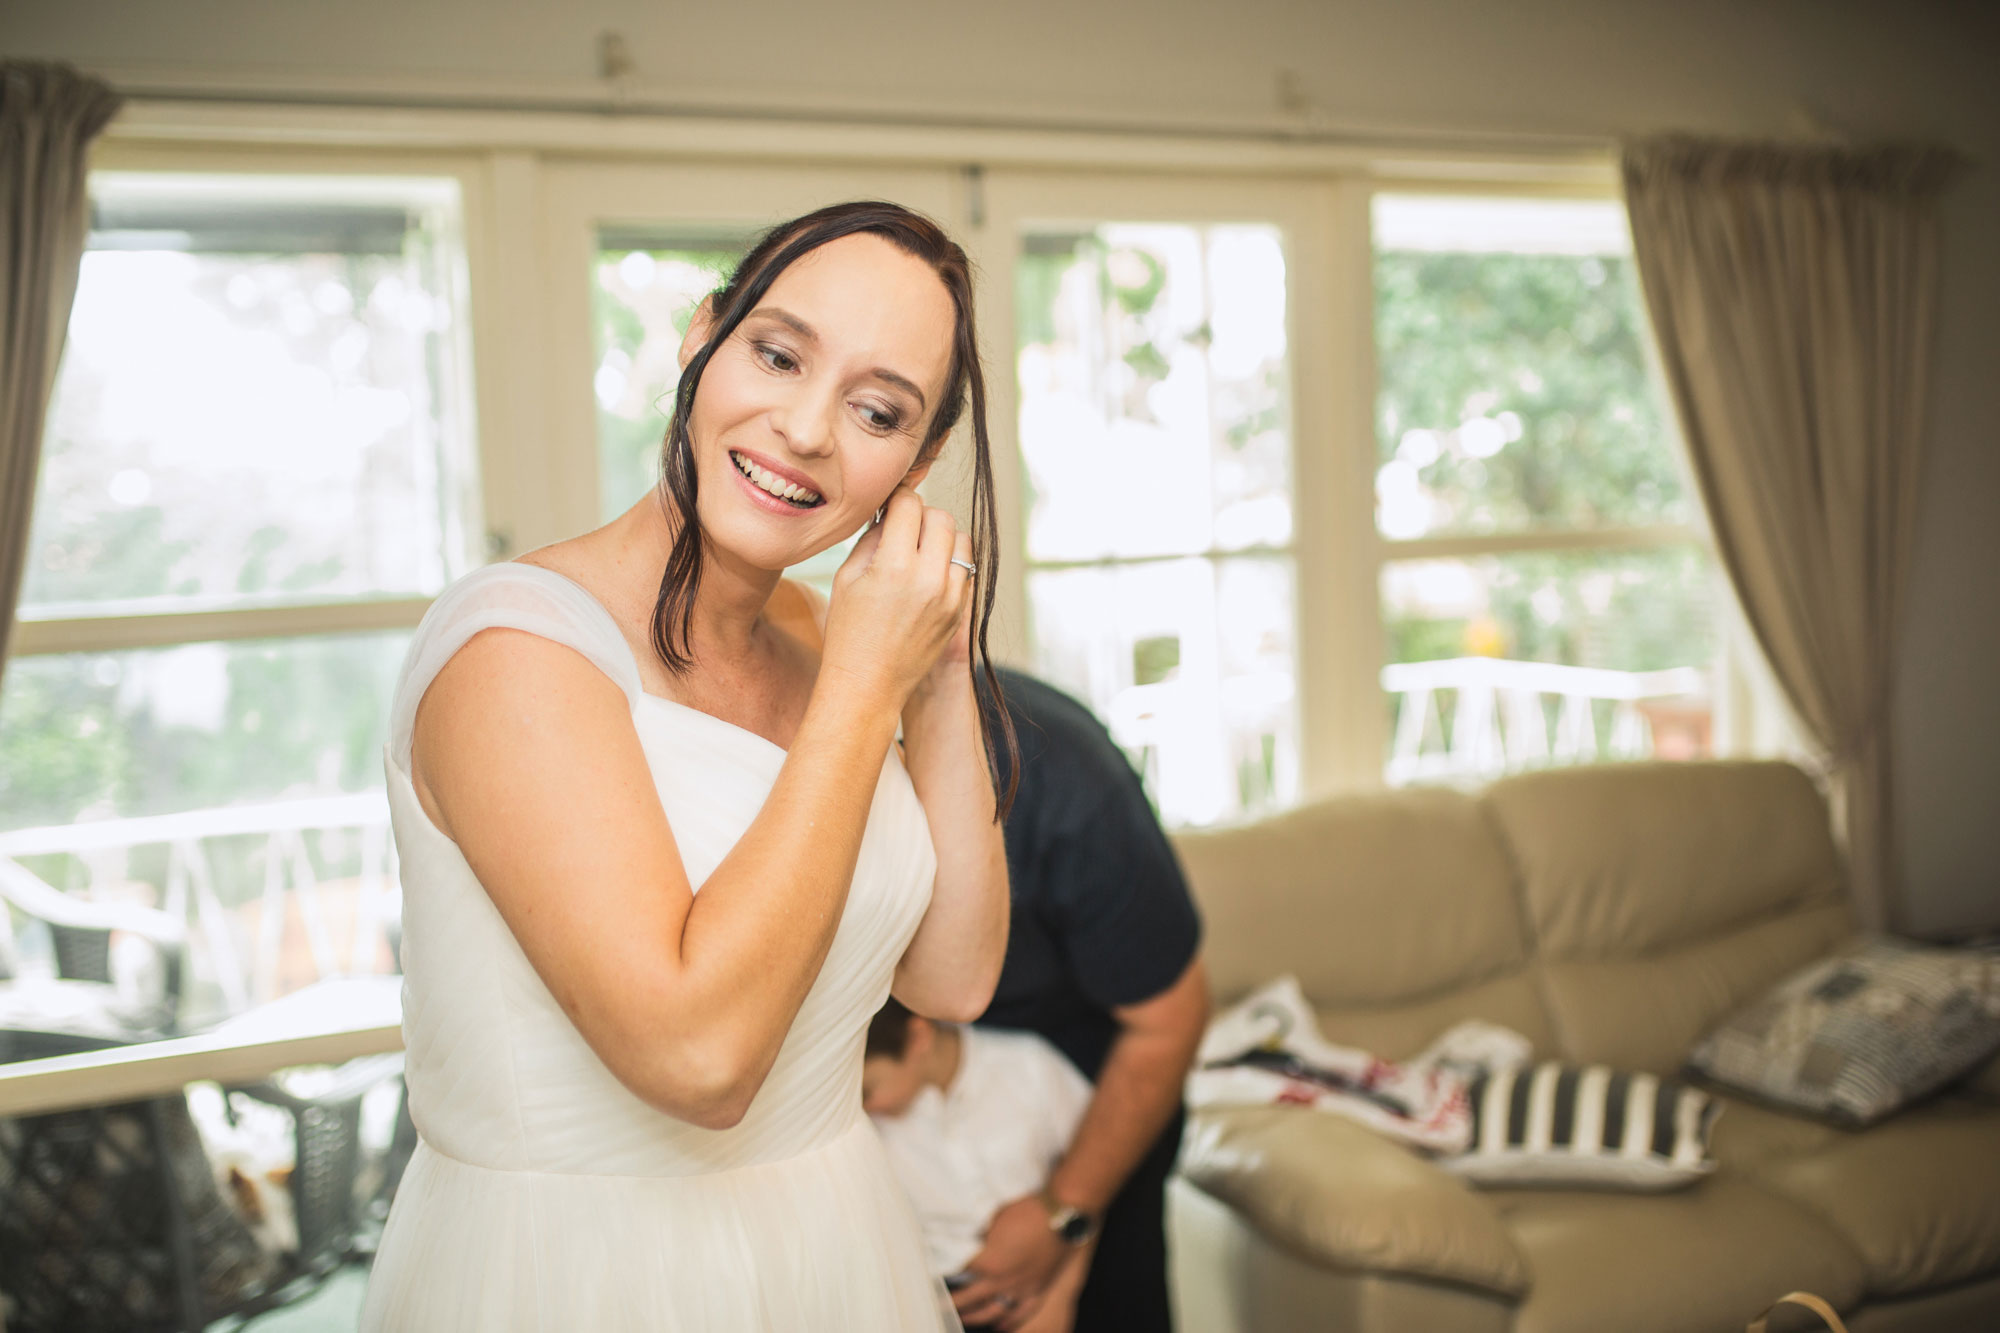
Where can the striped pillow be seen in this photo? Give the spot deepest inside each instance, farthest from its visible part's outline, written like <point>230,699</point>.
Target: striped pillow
<point>1561,1125</point>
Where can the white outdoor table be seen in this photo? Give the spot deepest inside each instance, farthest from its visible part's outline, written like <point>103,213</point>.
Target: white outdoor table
<point>325,1023</point>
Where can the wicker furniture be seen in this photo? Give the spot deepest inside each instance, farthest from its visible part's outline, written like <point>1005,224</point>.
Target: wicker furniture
<point>109,1214</point>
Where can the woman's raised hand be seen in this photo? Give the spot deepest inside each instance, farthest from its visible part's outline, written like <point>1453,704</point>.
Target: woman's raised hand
<point>898,601</point>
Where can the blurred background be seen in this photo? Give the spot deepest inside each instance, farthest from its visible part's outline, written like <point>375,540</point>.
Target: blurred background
<point>1332,449</point>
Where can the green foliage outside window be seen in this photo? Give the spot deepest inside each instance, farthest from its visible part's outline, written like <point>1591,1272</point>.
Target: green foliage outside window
<point>1556,340</point>
<point>1516,386</point>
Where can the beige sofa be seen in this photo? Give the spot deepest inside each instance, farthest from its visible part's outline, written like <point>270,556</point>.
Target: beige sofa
<point>1612,915</point>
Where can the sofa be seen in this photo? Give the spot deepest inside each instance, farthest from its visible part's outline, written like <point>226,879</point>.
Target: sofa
<point>1612,915</point>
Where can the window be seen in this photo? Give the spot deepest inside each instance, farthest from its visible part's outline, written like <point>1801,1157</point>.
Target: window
<point>645,291</point>
<point>258,468</point>
<point>261,464</point>
<point>1545,594</point>
<point>260,400</point>
<point>646,286</point>
<point>1155,434</point>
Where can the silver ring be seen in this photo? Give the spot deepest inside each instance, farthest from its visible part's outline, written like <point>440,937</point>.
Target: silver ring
<point>971,570</point>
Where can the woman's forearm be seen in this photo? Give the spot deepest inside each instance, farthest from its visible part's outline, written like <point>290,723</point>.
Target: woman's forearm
<point>770,910</point>
<point>953,962</point>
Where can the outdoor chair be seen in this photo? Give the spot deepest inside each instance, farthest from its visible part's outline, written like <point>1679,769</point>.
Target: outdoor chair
<point>110,1216</point>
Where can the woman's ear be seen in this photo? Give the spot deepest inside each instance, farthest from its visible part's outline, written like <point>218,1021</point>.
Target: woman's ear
<point>699,328</point>
<point>916,475</point>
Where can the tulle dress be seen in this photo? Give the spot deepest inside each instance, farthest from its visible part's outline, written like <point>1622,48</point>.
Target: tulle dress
<point>543,1194</point>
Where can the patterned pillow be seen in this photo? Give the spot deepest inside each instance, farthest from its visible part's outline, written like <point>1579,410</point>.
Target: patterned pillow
<point>1858,1036</point>
<point>1564,1126</point>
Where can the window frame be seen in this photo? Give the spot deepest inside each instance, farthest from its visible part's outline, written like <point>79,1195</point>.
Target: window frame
<point>1023,196</point>
<point>535,452</point>
<point>115,632</point>
<point>1738,696</point>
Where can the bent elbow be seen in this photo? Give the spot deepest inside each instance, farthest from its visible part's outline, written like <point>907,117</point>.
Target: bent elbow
<point>724,1111</point>
<point>962,1004</point>
<point>705,1088</point>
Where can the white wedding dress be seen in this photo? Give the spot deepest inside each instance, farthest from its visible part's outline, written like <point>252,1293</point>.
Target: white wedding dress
<point>544,1195</point>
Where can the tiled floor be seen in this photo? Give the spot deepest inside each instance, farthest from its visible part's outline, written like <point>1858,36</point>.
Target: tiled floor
<point>334,1308</point>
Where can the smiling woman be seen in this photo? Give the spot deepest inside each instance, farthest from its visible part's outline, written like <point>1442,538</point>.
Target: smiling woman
<point>661,857</point>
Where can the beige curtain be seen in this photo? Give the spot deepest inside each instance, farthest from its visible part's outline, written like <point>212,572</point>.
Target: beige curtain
<point>48,116</point>
<point>1792,290</point>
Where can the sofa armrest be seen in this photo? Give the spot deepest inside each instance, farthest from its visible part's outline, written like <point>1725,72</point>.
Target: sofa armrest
<point>1984,1082</point>
<point>1343,1196</point>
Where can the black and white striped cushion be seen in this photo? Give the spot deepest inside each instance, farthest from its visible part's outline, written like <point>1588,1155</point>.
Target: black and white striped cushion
<point>1555,1124</point>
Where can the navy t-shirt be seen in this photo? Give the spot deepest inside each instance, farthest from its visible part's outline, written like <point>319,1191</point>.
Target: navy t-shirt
<point>1101,915</point>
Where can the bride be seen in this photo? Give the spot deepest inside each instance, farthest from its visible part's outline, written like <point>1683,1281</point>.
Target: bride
<point>662,857</point>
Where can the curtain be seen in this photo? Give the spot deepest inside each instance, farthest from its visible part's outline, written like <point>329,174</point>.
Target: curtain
<point>1793,291</point>
<point>48,116</point>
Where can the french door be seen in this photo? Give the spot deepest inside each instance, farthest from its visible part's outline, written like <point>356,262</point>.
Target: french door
<point>1162,408</point>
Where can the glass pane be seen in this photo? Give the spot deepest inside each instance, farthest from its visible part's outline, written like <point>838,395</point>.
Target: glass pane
<point>262,398</point>
<point>1154,411</point>
<point>646,289</point>
<point>1515,392</point>
<point>1505,662</point>
<point>260,765</point>
<point>1189,663</point>
<point>86,736</point>
<point>645,294</point>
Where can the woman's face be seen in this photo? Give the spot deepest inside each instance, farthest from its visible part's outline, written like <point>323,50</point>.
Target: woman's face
<point>815,408</point>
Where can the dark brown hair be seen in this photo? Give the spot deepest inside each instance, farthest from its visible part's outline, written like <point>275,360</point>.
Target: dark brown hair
<point>888,1032</point>
<point>777,250</point>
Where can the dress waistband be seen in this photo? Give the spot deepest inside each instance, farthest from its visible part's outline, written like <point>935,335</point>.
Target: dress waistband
<point>858,1126</point>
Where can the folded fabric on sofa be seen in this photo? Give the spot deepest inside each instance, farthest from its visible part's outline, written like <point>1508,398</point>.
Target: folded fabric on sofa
<point>1267,1051</point>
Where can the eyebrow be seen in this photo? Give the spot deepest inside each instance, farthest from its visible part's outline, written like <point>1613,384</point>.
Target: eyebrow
<point>811,335</point>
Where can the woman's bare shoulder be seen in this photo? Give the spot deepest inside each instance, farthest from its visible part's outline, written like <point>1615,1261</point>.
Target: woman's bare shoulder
<point>588,562</point>
<point>575,558</point>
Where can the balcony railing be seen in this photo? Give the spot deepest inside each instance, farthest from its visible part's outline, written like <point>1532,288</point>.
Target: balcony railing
<point>302,926</point>
<point>1500,715</point>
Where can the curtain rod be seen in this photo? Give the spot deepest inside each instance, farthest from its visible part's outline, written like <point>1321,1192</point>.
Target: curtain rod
<point>621,100</point>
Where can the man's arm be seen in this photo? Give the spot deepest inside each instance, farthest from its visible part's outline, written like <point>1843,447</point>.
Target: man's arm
<point>1138,1091</point>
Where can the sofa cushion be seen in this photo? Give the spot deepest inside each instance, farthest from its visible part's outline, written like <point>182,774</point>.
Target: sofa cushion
<point>1983,1082</point>
<point>1565,1126</point>
<point>1708,1258</point>
<point>1648,1012</point>
<point>1857,1036</point>
<point>1626,860</point>
<point>1399,1031</point>
<point>1917,1196</point>
<point>1747,1134</point>
<point>1341,1195</point>
<point>1368,900</point>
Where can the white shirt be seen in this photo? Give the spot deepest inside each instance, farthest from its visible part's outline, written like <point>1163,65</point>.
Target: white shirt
<point>992,1137</point>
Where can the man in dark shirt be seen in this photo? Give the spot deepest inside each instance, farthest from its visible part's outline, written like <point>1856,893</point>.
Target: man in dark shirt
<point>1103,961</point>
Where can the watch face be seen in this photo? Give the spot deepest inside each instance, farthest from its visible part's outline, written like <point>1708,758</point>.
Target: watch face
<point>1075,1229</point>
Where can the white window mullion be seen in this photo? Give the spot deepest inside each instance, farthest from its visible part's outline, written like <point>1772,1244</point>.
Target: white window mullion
<point>989,243</point>
<point>1561,539</point>
<point>110,634</point>
<point>1340,650</point>
<point>539,480</point>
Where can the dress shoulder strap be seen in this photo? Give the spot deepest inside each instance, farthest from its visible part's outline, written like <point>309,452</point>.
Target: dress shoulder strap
<point>507,595</point>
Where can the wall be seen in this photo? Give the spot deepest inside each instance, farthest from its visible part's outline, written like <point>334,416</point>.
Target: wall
<point>1443,67</point>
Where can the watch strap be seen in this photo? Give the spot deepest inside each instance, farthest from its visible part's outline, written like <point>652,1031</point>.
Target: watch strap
<point>1071,1224</point>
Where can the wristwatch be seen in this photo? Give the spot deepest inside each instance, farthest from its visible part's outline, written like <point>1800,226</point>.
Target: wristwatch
<point>1072,1226</point>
